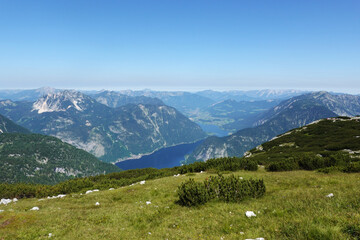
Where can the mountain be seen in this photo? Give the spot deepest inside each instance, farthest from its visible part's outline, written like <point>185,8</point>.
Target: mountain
<point>35,158</point>
<point>116,99</point>
<point>109,133</point>
<point>340,104</point>
<point>185,102</point>
<point>289,114</point>
<point>327,142</point>
<point>8,126</point>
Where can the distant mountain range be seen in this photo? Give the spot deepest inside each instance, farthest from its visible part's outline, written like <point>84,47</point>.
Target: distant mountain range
<point>109,133</point>
<point>295,112</point>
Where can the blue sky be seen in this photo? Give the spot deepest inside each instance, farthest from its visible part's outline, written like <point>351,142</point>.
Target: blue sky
<point>180,45</point>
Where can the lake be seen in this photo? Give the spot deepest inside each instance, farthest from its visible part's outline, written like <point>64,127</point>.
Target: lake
<point>163,158</point>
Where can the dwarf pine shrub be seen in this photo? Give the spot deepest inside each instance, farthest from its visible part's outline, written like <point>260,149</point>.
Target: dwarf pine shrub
<point>228,189</point>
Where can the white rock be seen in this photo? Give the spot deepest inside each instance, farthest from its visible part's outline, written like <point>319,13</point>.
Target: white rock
<point>61,195</point>
<point>330,195</point>
<point>95,190</point>
<point>148,202</point>
<point>15,200</point>
<point>111,189</point>
<point>5,201</point>
<point>142,182</point>
<point>35,209</point>
<point>250,214</point>
<point>97,204</point>
<point>50,235</point>
<point>241,178</point>
<point>177,175</point>
<point>88,191</point>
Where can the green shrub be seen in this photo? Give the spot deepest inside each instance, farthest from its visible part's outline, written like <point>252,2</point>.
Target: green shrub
<point>228,189</point>
<point>192,193</point>
<point>352,167</point>
<point>285,165</point>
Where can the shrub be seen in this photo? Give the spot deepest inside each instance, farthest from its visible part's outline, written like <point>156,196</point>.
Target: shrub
<point>285,165</point>
<point>192,193</point>
<point>229,189</point>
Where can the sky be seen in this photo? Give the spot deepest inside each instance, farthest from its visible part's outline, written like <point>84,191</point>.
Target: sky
<point>180,44</point>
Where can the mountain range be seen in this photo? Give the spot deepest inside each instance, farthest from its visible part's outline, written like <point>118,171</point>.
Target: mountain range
<point>292,113</point>
<point>109,133</point>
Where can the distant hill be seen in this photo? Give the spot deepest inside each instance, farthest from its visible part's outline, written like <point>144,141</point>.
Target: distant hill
<point>35,158</point>
<point>289,114</point>
<point>327,140</point>
<point>108,133</point>
<point>8,126</point>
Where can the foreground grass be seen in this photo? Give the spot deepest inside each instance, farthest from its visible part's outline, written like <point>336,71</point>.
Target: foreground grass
<point>295,206</point>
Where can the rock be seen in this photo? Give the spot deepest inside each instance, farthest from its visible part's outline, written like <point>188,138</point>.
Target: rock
<point>142,182</point>
<point>97,204</point>
<point>148,202</point>
<point>250,214</point>
<point>330,195</point>
<point>35,209</point>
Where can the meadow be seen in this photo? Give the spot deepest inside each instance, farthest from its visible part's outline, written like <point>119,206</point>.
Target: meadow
<point>295,206</point>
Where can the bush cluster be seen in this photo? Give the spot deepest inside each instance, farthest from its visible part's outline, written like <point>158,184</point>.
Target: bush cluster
<point>310,161</point>
<point>228,189</point>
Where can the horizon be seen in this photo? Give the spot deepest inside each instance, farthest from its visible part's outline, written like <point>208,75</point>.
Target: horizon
<point>341,91</point>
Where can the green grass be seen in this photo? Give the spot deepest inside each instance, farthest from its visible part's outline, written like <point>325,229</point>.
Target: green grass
<point>294,206</point>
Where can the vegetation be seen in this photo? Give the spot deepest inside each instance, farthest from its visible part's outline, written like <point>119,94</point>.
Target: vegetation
<point>35,158</point>
<point>228,189</point>
<point>119,179</point>
<point>295,206</point>
<point>329,145</point>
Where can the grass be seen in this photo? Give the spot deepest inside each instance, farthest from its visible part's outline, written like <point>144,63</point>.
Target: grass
<point>295,206</point>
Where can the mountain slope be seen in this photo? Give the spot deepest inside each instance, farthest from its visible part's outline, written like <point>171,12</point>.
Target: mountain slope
<point>289,114</point>
<point>327,141</point>
<point>240,142</point>
<point>108,133</point>
<point>116,99</point>
<point>8,126</point>
<point>35,158</point>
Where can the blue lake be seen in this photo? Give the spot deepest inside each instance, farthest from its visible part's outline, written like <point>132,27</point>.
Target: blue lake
<point>163,158</point>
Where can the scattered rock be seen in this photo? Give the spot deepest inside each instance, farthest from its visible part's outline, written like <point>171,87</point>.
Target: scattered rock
<point>35,209</point>
<point>111,189</point>
<point>97,204</point>
<point>142,182</point>
<point>250,214</point>
<point>330,195</point>
<point>148,202</point>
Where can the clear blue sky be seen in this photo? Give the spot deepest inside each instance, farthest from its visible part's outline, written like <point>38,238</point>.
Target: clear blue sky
<point>178,44</point>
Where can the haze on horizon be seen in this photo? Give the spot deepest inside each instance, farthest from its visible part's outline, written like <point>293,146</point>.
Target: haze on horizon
<point>180,45</point>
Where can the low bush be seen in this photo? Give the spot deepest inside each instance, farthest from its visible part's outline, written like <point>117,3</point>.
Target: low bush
<point>228,189</point>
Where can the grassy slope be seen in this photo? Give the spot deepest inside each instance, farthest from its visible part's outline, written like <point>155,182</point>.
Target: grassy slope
<point>294,207</point>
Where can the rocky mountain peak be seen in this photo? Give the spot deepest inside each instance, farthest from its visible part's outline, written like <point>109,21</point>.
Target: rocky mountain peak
<point>61,101</point>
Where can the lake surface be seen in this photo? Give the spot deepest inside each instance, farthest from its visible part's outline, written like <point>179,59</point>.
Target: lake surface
<point>163,158</point>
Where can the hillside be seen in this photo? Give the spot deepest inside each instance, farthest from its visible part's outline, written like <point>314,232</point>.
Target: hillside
<point>115,99</point>
<point>289,114</point>
<point>34,158</point>
<point>8,126</point>
<point>294,206</point>
<point>108,133</point>
<point>327,142</point>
